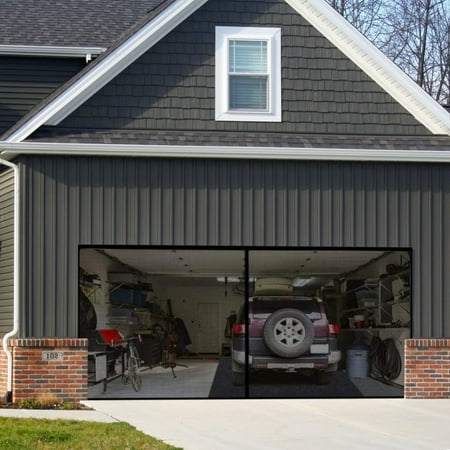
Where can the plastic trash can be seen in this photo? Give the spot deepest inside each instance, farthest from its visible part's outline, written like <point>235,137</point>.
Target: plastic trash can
<point>358,361</point>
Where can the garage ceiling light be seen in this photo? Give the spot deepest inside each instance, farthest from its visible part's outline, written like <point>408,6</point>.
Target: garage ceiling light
<point>300,282</point>
<point>228,279</point>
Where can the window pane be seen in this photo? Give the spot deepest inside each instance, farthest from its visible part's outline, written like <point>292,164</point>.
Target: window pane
<point>248,57</point>
<point>248,92</point>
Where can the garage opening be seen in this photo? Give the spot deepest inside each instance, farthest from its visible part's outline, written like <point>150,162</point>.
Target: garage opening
<point>239,323</point>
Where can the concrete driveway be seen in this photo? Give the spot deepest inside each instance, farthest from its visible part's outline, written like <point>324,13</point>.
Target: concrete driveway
<point>288,424</point>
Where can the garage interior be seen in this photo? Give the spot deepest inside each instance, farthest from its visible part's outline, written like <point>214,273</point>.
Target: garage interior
<point>182,303</point>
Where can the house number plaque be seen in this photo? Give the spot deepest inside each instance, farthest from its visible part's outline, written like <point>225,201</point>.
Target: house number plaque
<point>52,356</point>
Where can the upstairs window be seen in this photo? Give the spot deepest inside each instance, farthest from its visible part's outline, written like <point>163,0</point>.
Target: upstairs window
<point>248,74</point>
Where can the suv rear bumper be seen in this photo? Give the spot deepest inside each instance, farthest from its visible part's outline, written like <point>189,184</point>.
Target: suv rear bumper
<point>334,357</point>
<point>303,362</point>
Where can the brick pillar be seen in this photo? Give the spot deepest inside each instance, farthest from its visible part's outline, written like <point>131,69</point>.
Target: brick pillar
<point>427,368</point>
<point>50,366</point>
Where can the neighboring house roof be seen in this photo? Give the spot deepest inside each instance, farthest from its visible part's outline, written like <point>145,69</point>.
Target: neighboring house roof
<point>70,23</point>
<point>170,13</point>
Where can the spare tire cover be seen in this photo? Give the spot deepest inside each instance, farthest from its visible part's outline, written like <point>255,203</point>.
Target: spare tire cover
<point>288,333</point>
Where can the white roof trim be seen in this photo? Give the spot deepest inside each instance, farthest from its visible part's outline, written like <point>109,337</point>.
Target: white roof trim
<point>374,63</point>
<point>52,51</point>
<point>11,150</point>
<point>111,66</point>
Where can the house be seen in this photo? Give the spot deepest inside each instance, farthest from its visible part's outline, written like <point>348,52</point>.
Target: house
<point>181,149</point>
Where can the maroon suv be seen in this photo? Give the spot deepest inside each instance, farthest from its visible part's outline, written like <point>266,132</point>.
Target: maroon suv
<point>286,333</point>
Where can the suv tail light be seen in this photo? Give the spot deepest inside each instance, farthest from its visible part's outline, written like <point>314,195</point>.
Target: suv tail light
<point>238,328</point>
<point>334,329</point>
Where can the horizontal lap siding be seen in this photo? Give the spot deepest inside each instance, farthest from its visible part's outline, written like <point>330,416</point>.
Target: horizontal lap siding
<point>115,201</point>
<point>6,250</point>
<point>25,81</point>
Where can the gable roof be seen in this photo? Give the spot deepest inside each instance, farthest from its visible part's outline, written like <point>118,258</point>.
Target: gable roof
<point>171,13</point>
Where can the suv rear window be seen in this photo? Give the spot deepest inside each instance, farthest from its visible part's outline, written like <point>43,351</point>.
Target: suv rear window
<point>266,305</point>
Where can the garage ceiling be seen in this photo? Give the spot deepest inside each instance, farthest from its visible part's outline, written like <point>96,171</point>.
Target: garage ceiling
<point>214,263</point>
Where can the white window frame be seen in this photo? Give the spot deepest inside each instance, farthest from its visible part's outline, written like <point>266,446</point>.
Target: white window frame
<point>273,38</point>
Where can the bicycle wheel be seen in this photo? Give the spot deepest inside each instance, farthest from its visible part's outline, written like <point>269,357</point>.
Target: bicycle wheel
<point>133,374</point>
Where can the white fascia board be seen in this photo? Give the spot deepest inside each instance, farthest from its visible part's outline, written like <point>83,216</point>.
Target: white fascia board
<point>374,63</point>
<point>51,51</point>
<point>11,150</point>
<point>112,65</point>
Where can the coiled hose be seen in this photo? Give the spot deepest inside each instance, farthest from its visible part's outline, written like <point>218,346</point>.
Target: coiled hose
<point>386,360</point>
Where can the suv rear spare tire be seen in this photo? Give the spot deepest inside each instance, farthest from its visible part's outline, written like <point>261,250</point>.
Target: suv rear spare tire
<point>288,333</point>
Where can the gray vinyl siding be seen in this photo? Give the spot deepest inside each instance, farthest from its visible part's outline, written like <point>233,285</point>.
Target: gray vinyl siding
<point>119,201</point>
<point>6,249</point>
<point>172,86</point>
<point>24,82</point>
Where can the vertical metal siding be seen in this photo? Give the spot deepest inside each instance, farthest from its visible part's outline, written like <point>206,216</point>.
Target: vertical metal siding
<point>120,201</point>
<point>6,250</point>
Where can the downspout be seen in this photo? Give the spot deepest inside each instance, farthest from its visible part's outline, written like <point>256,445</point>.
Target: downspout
<point>15,329</point>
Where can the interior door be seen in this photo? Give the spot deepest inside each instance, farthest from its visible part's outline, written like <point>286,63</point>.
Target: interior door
<point>208,328</point>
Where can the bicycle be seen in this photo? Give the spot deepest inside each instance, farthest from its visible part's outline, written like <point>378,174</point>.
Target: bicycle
<point>133,363</point>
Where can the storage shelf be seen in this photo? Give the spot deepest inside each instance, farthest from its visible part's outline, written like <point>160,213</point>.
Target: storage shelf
<point>394,302</point>
<point>359,308</point>
<point>375,329</point>
<point>371,287</point>
<point>396,274</point>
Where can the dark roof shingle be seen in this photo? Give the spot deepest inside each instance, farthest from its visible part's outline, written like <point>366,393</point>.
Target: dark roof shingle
<point>242,139</point>
<point>78,23</point>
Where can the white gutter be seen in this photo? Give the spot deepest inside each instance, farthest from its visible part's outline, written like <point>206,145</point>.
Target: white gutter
<point>15,329</point>
<point>52,51</point>
<point>10,150</point>
<point>106,70</point>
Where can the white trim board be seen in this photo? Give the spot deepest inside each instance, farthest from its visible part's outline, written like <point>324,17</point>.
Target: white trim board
<point>11,150</point>
<point>317,12</point>
<point>51,51</point>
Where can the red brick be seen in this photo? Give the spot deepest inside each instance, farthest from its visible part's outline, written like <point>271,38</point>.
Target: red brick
<point>34,377</point>
<point>427,369</point>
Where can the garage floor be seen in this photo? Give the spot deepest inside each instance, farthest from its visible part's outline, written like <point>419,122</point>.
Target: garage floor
<point>206,378</point>
<point>193,381</point>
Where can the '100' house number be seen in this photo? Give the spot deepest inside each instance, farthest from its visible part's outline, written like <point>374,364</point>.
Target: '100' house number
<point>52,356</point>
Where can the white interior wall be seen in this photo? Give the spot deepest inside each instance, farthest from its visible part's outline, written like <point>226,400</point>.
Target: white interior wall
<point>185,298</point>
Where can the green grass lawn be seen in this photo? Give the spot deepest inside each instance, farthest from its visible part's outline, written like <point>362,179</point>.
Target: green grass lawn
<point>71,434</point>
